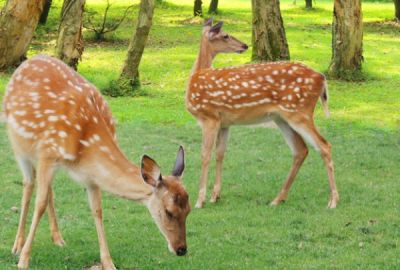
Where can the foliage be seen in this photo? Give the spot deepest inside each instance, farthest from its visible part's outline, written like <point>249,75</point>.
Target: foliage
<point>106,25</point>
<point>241,232</point>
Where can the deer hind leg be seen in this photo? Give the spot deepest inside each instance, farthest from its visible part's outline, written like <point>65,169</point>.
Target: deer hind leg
<point>45,172</point>
<point>210,130</point>
<point>308,131</point>
<point>222,140</point>
<point>55,232</point>
<point>94,194</point>
<point>299,151</point>
<point>28,185</point>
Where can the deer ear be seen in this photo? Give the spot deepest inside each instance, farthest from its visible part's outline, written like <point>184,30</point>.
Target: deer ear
<point>215,30</point>
<point>150,171</point>
<point>208,22</point>
<point>179,166</point>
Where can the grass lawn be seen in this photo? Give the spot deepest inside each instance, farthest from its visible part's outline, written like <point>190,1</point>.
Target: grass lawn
<point>241,231</point>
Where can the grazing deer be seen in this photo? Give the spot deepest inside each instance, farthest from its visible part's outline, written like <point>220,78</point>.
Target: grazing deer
<point>283,92</point>
<point>57,119</point>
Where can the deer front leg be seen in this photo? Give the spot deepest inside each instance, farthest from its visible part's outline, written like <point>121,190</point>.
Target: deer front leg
<point>210,130</point>
<point>299,151</point>
<point>44,177</point>
<point>222,140</point>
<point>94,194</point>
<point>55,232</point>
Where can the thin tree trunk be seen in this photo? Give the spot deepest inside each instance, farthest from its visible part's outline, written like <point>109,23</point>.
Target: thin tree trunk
<point>397,9</point>
<point>197,9</point>
<point>347,35</point>
<point>268,37</point>
<point>70,42</point>
<point>213,9</point>
<point>308,3</point>
<point>18,22</point>
<point>137,44</point>
<point>45,12</point>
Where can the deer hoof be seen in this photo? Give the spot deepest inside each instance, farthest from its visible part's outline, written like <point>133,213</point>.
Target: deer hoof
<point>199,204</point>
<point>276,202</point>
<point>23,262</point>
<point>214,199</point>
<point>58,241</point>
<point>19,243</point>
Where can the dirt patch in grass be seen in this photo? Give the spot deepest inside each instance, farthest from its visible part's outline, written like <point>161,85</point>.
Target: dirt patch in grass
<point>383,27</point>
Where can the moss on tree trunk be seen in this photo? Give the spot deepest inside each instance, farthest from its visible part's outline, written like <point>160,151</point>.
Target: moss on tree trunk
<point>18,22</point>
<point>347,34</point>
<point>70,42</point>
<point>268,37</point>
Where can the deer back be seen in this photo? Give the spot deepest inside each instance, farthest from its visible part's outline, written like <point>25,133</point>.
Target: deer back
<point>56,112</point>
<point>250,91</point>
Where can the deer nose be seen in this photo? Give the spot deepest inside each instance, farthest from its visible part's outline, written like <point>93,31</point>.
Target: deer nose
<point>181,251</point>
<point>245,46</point>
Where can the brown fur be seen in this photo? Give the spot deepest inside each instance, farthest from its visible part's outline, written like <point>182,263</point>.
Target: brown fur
<point>283,92</point>
<point>56,118</point>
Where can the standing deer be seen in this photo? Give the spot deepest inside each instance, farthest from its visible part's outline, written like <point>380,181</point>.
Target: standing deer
<point>283,92</point>
<point>57,119</point>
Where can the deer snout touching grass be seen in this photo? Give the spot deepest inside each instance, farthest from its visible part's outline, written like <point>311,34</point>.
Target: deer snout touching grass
<point>57,119</point>
<point>283,92</point>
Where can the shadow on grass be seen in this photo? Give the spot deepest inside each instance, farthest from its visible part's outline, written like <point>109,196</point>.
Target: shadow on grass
<point>391,27</point>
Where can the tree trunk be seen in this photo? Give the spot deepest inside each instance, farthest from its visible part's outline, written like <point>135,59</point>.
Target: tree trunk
<point>18,21</point>
<point>308,3</point>
<point>45,12</point>
<point>130,70</point>
<point>198,10</point>
<point>268,37</point>
<point>213,9</point>
<point>70,41</point>
<point>397,9</point>
<point>347,34</point>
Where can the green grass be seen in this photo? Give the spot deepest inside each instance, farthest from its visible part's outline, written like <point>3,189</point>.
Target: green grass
<point>242,231</point>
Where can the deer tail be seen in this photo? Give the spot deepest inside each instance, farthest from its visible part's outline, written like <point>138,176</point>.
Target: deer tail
<point>324,99</point>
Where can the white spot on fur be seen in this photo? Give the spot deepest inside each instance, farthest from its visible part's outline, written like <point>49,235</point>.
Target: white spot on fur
<point>53,118</point>
<point>62,134</point>
<point>85,143</point>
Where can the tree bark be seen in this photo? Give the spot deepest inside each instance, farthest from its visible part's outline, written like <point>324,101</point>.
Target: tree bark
<point>45,12</point>
<point>18,21</point>
<point>70,41</point>
<point>397,9</point>
<point>197,9</point>
<point>130,70</point>
<point>268,37</point>
<point>213,9</point>
<point>347,35</point>
<point>308,3</point>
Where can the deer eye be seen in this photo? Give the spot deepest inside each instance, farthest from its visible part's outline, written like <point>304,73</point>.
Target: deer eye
<point>169,214</point>
<point>226,36</point>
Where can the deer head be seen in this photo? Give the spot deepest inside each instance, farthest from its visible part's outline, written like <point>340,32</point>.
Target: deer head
<point>169,203</point>
<point>220,42</point>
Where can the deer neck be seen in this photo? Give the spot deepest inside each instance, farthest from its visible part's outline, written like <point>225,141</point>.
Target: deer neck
<point>205,57</point>
<point>114,173</point>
